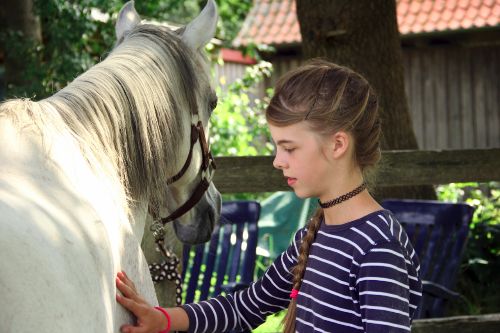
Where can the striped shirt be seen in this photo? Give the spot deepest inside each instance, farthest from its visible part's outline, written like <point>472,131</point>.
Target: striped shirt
<point>361,276</point>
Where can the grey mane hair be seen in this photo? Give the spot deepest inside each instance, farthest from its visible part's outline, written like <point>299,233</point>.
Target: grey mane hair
<point>129,109</point>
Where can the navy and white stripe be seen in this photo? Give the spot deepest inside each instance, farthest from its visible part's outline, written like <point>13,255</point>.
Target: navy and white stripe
<point>361,276</point>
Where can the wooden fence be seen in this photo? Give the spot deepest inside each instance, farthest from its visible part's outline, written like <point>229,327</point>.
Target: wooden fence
<point>256,174</point>
<point>397,168</point>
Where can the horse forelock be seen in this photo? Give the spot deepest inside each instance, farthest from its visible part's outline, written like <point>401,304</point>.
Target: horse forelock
<point>130,108</point>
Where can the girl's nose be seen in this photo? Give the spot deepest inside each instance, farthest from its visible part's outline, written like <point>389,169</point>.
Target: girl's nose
<point>278,162</point>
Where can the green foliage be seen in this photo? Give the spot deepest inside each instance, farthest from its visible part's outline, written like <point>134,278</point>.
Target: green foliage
<point>71,43</point>
<point>481,264</point>
<point>232,14</point>
<point>238,125</point>
<point>32,83</point>
<point>254,50</point>
<point>73,39</point>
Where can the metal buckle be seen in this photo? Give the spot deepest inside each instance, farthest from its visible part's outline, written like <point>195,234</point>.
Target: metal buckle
<point>157,229</point>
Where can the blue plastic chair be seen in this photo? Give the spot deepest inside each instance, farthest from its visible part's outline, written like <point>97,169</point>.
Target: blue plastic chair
<point>228,259</point>
<point>438,232</point>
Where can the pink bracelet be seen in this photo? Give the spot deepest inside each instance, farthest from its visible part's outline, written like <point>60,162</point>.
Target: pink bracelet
<point>162,310</point>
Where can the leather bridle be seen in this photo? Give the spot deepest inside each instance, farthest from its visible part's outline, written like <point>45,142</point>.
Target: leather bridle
<point>160,271</point>
<point>207,169</point>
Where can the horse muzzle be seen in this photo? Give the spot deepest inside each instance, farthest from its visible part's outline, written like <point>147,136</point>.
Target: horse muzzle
<point>197,226</point>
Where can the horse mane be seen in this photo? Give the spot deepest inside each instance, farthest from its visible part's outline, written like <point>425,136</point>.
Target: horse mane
<point>129,109</point>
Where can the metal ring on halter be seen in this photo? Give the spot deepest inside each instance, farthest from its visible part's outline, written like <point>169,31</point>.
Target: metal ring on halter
<point>157,229</point>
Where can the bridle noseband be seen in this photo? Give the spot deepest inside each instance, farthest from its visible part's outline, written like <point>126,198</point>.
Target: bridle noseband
<point>169,268</point>
<point>207,169</point>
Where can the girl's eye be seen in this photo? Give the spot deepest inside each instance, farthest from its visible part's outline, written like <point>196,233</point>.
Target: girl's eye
<point>289,150</point>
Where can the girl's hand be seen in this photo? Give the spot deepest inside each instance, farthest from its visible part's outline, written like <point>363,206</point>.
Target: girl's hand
<point>149,320</point>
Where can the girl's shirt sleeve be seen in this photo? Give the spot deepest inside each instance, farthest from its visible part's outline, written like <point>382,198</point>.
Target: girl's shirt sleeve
<point>248,308</point>
<point>385,282</point>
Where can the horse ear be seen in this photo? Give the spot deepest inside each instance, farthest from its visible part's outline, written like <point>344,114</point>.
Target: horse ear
<point>127,20</point>
<point>202,29</point>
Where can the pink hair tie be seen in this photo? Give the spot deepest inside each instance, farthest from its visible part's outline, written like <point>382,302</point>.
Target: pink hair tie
<point>294,293</point>
<point>162,310</point>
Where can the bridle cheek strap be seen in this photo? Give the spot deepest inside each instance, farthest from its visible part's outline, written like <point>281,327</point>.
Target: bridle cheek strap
<point>190,203</point>
<point>195,134</point>
<point>207,168</point>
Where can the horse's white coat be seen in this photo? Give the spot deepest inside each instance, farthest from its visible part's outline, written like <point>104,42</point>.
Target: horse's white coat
<point>67,226</point>
<point>64,234</point>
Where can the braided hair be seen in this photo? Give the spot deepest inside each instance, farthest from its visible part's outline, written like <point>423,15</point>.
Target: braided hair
<point>330,98</point>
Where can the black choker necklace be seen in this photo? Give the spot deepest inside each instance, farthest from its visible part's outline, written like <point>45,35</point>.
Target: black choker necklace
<point>344,197</point>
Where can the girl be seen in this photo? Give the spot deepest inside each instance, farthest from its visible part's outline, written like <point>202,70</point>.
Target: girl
<point>352,269</point>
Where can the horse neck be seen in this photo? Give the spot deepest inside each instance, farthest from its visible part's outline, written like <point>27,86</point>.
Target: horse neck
<point>44,153</point>
<point>99,182</point>
<point>127,105</point>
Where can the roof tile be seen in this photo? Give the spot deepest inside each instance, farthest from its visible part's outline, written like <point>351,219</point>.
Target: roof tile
<point>463,4</point>
<point>496,10</point>
<point>452,4</point>
<point>434,17</point>
<point>460,15</point>
<point>427,6</point>
<point>439,6</point>
<point>275,21</point>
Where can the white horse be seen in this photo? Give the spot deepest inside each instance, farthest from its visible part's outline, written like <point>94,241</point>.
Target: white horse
<point>79,170</point>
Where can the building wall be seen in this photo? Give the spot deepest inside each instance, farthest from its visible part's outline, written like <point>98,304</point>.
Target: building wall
<point>453,93</point>
<point>454,96</point>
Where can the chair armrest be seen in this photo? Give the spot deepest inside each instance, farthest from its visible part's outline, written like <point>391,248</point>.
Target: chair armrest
<point>440,291</point>
<point>233,287</point>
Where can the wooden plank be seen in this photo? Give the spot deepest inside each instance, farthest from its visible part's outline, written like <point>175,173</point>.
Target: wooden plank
<point>498,98</point>
<point>489,323</point>
<point>479,99</point>
<point>407,56</point>
<point>397,168</point>
<point>466,107</point>
<point>416,100</point>
<point>454,115</point>
<point>428,100</point>
<point>441,106</point>
<point>492,92</point>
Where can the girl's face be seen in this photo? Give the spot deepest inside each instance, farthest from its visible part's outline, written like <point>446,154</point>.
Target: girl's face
<point>300,154</point>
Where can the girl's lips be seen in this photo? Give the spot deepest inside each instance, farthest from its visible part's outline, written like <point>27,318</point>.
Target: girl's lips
<point>291,181</point>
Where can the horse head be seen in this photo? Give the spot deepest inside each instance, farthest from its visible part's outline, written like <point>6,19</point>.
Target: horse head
<point>188,198</point>
<point>76,166</point>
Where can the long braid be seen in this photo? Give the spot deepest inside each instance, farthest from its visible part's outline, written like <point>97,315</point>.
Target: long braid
<point>299,269</point>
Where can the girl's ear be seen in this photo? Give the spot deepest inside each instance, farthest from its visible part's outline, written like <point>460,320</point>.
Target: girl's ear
<point>340,142</point>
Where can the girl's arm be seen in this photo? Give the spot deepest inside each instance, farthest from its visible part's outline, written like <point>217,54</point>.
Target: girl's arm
<point>244,309</point>
<point>149,319</point>
<point>248,308</point>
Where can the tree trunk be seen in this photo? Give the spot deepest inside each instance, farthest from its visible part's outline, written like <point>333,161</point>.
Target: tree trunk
<point>18,16</point>
<point>364,36</point>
